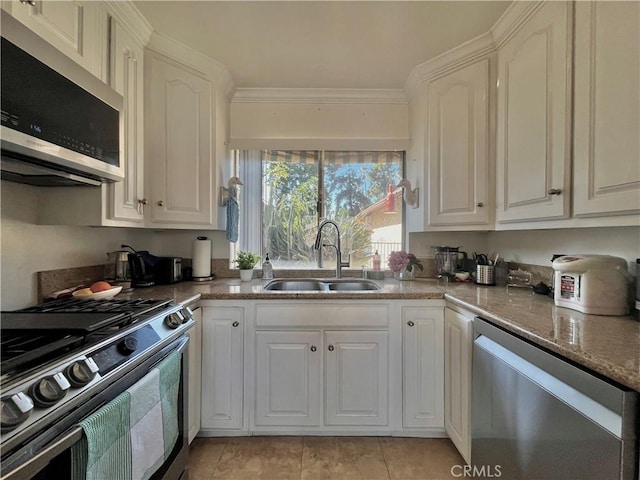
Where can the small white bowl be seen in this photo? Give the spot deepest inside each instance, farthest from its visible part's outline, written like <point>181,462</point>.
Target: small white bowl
<point>462,276</point>
<point>103,295</point>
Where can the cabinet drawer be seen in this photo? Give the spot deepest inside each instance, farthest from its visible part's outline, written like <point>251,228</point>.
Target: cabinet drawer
<point>323,315</point>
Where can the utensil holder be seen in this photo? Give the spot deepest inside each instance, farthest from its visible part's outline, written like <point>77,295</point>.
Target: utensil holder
<point>485,275</point>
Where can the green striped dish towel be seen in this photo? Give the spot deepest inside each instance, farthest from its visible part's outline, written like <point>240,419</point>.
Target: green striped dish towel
<point>131,436</point>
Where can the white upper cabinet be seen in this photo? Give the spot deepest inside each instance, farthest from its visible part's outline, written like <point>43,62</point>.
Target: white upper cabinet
<point>534,117</point>
<point>607,108</point>
<point>457,147</point>
<point>126,70</point>
<point>179,144</point>
<point>73,27</point>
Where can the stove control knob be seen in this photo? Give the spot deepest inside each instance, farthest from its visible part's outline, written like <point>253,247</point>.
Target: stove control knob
<point>128,345</point>
<point>81,372</point>
<point>49,390</point>
<point>15,410</point>
<point>173,320</point>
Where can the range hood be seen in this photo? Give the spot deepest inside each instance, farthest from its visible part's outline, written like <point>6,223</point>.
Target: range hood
<point>60,124</point>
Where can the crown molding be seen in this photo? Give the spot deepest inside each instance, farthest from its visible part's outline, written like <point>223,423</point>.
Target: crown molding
<point>179,52</point>
<point>512,20</point>
<point>320,95</point>
<point>126,13</point>
<point>451,60</point>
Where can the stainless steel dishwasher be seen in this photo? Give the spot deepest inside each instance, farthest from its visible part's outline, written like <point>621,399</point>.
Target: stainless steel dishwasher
<point>537,416</point>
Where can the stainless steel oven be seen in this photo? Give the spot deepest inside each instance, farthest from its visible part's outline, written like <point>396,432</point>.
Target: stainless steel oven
<point>95,357</point>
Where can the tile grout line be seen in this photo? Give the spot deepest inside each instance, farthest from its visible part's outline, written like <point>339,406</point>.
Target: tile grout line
<point>384,459</point>
<point>301,457</point>
<point>226,442</point>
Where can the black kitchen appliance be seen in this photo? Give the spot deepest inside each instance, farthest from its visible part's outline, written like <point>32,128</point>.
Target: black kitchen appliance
<point>167,270</point>
<point>141,273</point>
<point>65,359</point>
<point>60,124</point>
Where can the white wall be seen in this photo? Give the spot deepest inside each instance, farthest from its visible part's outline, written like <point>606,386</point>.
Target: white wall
<point>27,248</point>
<point>536,246</point>
<point>317,123</point>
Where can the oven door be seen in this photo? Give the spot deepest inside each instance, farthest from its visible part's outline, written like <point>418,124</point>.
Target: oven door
<point>52,459</point>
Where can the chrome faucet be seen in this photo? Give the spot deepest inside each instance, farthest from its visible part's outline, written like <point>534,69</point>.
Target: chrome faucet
<point>318,246</point>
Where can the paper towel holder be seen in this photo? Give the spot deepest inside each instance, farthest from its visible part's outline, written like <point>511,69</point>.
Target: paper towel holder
<point>202,279</point>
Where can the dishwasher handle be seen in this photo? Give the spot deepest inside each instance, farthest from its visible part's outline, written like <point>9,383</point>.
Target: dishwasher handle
<point>581,403</point>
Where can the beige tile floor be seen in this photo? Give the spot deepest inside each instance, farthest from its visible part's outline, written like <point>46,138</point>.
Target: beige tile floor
<point>322,458</point>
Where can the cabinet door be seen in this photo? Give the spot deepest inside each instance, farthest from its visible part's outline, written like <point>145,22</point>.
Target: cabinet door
<point>423,358</point>
<point>195,363</point>
<point>457,146</point>
<point>607,108</point>
<point>73,27</point>
<point>180,112</point>
<point>458,345</point>
<point>356,378</point>
<point>534,118</point>
<point>222,367</point>
<point>288,378</point>
<point>126,67</point>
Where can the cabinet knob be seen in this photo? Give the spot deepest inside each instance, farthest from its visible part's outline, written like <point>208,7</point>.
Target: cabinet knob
<point>31,3</point>
<point>313,348</point>
<point>554,191</point>
<point>160,203</point>
<point>480,204</point>
<point>410,323</point>
<point>142,201</point>
<point>331,348</point>
<point>235,324</point>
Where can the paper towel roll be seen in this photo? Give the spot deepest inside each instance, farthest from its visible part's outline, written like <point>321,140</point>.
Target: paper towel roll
<point>201,262</point>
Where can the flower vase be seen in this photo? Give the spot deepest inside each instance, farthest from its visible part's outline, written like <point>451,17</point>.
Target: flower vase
<point>404,275</point>
<point>246,275</point>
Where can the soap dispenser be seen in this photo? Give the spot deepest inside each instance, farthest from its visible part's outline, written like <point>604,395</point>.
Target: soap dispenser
<point>267,269</point>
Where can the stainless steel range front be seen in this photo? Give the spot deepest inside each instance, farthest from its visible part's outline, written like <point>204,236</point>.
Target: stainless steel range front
<point>66,359</point>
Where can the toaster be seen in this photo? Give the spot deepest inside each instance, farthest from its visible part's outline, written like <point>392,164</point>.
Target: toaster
<point>595,284</point>
<point>167,270</point>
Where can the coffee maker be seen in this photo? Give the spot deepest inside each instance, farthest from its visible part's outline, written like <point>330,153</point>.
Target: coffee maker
<point>449,260</point>
<point>117,271</point>
<point>141,275</point>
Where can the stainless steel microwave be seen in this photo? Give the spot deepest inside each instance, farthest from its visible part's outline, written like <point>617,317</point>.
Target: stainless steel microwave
<point>60,124</point>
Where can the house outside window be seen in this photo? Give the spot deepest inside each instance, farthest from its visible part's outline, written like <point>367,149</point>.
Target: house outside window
<point>288,193</point>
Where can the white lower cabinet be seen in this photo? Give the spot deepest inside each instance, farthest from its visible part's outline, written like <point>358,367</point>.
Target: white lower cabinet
<point>288,378</point>
<point>458,347</point>
<point>342,367</point>
<point>195,364</point>
<point>222,367</point>
<point>356,378</point>
<point>422,362</point>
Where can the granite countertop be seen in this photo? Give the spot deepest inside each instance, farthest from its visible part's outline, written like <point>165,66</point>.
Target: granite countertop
<point>609,346</point>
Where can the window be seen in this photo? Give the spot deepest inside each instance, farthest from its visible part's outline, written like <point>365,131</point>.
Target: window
<point>298,189</point>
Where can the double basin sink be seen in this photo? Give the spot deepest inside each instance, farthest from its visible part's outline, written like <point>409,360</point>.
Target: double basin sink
<point>321,285</point>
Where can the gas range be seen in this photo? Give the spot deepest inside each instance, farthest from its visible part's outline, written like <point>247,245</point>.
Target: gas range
<point>58,356</point>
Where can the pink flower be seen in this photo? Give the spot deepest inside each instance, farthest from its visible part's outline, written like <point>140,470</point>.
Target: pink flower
<point>399,261</point>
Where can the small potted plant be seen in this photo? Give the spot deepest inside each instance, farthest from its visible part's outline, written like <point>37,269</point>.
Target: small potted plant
<point>246,261</point>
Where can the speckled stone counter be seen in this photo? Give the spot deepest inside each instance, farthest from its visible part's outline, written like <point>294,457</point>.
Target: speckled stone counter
<point>609,346</point>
